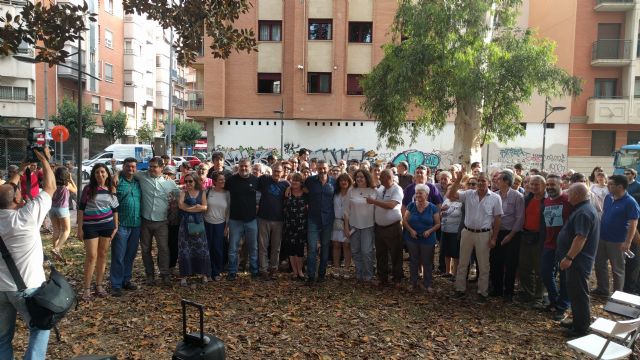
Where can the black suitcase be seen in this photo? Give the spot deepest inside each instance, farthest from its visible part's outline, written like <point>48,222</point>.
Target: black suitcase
<point>197,346</point>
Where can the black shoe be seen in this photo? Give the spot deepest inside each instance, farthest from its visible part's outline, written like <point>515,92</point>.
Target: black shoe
<point>566,323</point>
<point>495,294</point>
<point>150,281</point>
<point>573,333</point>
<point>310,282</point>
<point>255,275</point>
<point>321,280</point>
<point>266,277</point>
<point>458,295</point>
<point>508,298</point>
<point>559,315</point>
<point>166,280</point>
<point>116,292</point>
<point>599,292</point>
<point>481,299</point>
<point>130,286</point>
<point>231,277</point>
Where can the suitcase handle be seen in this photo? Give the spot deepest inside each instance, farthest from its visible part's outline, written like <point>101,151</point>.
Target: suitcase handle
<point>189,338</point>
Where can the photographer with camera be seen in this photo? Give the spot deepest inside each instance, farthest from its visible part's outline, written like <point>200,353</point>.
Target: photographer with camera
<point>20,231</point>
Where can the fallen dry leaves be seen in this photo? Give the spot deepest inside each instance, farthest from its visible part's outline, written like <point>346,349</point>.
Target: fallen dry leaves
<point>287,320</point>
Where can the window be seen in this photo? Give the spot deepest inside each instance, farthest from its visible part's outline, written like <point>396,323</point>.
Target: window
<point>270,30</point>
<point>360,32</point>
<point>320,29</point>
<point>318,83</point>
<point>269,83</point>
<point>108,72</point>
<point>602,142</point>
<point>108,6</point>
<point>92,57</point>
<point>636,88</point>
<point>353,84</point>
<point>108,39</point>
<point>13,93</point>
<point>128,47</point>
<point>95,104</point>
<point>605,88</point>
<point>158,61</point>
<point>633,137</point>
<point>108,105</point>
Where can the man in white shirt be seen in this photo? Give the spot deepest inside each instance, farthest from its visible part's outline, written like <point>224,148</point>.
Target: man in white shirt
<point>483,211</point>
<point>388,228</point>
<point>20,231</point>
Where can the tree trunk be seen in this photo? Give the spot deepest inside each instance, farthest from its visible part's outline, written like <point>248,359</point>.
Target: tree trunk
<point>466,145</point>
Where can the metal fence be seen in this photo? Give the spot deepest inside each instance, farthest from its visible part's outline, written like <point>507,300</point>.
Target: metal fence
<point>12,152</point>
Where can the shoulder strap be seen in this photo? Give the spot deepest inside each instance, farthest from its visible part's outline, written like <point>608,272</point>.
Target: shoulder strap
<point>12,266</point>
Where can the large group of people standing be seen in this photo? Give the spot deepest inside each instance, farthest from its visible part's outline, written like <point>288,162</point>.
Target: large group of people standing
<point>543,231</point>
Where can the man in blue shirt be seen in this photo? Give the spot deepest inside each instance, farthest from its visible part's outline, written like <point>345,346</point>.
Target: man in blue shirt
<point>634,186</point>
<point>617,228</point>
<point>320,189</point>
<point>632,265</point>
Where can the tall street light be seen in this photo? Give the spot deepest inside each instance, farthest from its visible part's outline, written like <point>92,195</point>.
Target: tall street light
<point>79,129</point>
<point>548,110</point>
<point>281,112</point>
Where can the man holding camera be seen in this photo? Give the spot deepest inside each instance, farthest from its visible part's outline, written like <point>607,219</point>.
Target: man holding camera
<point>20,231</point>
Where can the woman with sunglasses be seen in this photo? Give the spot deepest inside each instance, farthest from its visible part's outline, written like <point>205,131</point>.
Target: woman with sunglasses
<point>97,224</point>
<point>193,249</point>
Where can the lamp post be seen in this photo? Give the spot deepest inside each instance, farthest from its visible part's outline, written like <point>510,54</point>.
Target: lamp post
<point>553,109</point>
<point>79,129</point>
<point>281,112</point>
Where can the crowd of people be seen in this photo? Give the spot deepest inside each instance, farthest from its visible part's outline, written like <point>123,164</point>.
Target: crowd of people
<point>544,231</point>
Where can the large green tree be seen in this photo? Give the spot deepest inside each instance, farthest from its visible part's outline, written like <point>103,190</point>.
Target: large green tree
<point>188,132</point>
<point>49,27</point>
<point>145,133</point>
<point>450,57</point>
<point>68,117</point>
<point>115,125</point>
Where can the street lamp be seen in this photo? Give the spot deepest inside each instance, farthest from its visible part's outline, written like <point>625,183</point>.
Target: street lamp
<point>553,109</point>
<point>281,112</point>
<point>79,130</point>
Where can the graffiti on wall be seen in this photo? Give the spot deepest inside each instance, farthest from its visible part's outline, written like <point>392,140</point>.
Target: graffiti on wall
<point>553,162</point>
<point>434,159</point>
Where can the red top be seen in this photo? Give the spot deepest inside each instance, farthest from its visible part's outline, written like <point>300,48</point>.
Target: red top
<point>35,186</point>
<point>532,216</point>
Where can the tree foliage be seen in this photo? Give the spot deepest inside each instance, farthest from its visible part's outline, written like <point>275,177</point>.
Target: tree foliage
<point>115,125</point>
<point>452,60</point>
<point>49,27</point>
<point>188,132</point>
<point>145,133</point>
<point>68,117</point>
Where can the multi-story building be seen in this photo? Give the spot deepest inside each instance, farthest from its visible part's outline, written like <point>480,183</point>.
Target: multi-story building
<point>606,56</point>
<point>311,56</point>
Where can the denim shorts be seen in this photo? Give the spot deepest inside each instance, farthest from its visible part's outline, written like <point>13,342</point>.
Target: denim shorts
<point>59,212</point>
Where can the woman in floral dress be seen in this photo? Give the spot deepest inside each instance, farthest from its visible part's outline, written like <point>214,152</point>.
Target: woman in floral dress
<point>295,225</point>
<point>193,249</point>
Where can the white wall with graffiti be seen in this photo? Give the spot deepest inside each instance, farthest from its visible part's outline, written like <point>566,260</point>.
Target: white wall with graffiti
<point>335,140</point>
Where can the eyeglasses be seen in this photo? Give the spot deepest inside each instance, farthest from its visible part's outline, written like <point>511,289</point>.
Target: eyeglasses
<point>287,168</point>
<point>188,181</point>
<point>472,184</point>
<point>628,173</point>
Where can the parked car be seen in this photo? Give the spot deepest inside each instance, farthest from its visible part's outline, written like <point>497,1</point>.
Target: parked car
<point>193,161</point>
<point>86,169</point>
<point>202,156</point>
<point>177,161</point>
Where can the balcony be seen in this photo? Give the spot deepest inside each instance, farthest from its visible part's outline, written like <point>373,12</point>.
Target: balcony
<point>614,5</point>
<point>195,100</point>
<point>71,74</point>
<point>613,111</point>
<point>177,102</point>
<point>17,3</point>
<point>16,97</point>
<point>611,53</point>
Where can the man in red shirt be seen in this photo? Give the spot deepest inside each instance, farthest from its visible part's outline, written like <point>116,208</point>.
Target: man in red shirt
<point>556,213</point>
<point>36,176</point>
<point>531,241</point>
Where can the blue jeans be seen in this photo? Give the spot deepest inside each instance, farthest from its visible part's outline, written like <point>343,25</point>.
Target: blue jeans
<point>11,303</point>
<point>548,272</point>
<point>215,239</point>
<point>124,248</point>
<point>317,233</point>
<point>237,229</point>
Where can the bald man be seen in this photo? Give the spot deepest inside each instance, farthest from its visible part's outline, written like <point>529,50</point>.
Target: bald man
<point>576,250</point>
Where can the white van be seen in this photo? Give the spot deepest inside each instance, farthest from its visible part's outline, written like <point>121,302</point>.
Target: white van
<point>141,152</point>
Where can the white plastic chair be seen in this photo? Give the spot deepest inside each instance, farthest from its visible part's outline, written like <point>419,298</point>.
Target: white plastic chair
<point>605,326</point>
<point>626,298</point>
<point>598,347</point>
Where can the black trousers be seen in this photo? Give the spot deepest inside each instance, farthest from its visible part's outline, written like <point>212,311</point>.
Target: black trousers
<point>173,245</point>
<point>503,262</point>
<point>442,267</point>
<point>632,271</point>
<point>578,290</point>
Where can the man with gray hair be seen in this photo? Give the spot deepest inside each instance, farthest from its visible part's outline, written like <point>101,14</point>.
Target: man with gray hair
<point>577,244</point>
<point>532,238</point>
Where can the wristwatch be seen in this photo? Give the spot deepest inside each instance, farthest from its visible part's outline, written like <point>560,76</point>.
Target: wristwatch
<point>568,257</point>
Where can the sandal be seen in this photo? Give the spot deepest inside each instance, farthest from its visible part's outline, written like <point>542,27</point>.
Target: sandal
<point>57,256</point>
<point>100,292</point>
<point>87,295</point>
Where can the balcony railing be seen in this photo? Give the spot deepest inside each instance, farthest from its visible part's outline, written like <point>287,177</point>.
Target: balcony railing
<point>130,52</point>
<point>16,97</point>
<point>611,49</point>
<point>177,102</point>
<point>65,72</point>
<point>14,2</point>
<point>195,100</point>
<point>614,5</point>
<point>602,2</point>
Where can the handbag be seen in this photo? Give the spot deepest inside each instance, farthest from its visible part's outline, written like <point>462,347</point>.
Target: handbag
<point>195,228</point>
<point>338,224</point>
<point>50,302</point>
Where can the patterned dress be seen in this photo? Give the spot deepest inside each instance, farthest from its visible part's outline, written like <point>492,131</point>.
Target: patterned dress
<point>295,225</point>
<point>193,251</point>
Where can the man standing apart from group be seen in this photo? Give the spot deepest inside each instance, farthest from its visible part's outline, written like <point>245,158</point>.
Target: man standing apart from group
<point>577,245</point>
<point>483,212</point>
<point>124,246</point>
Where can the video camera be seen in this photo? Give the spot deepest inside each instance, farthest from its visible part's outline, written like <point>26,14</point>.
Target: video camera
<point>36,140</point>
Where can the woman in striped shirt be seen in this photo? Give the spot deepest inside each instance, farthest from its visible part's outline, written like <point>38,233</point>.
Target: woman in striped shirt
<point>97,224</point>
